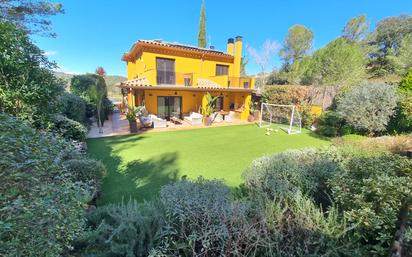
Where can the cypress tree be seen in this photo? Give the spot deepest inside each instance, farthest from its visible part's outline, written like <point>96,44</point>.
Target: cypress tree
<point>201,38</point>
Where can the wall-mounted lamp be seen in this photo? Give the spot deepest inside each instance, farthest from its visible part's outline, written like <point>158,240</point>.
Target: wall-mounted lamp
<point>175,93</point>
<point>150,94</point>
<point>194,95</point>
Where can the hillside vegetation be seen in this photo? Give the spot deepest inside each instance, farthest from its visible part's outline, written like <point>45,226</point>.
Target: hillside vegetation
<point>111,81</point>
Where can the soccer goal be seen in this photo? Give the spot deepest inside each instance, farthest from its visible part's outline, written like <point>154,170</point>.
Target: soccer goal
<point>285,117</point>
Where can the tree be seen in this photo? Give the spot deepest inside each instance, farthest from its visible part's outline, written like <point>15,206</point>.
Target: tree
<point>356,29</point>
<point>368,107</point>
<point>98,93</point>
<point>201,38</point>
<point>93,89</point>
<point>100,71</point>
<point>340,63</point>
<point>402,61</point>
<point>297,44</point>
<point>31,16</point>
<point>28,88</point>
<point>263,56</point>
<point>297,70</point>
<point>386,40</point>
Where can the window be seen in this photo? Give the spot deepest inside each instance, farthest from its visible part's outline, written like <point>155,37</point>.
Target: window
<point>219,103</point>
<point>165,70</point>
<point>245,84</point>
<point>222,70</point>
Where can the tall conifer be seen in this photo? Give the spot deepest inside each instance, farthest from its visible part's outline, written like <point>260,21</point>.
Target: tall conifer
<point>201,38</point>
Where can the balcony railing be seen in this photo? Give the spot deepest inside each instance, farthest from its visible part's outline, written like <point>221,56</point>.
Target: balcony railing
<point>240,82</point>
<point>190,79</point>
<point>174,78</point>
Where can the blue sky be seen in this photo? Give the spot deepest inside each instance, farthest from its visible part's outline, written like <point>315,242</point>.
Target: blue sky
<point>96,33</point>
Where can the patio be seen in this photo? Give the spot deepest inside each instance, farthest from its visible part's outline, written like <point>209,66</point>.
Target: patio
<point>118,125</point>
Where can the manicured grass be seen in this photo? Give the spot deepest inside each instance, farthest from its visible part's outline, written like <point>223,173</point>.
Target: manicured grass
<point>138,165</point>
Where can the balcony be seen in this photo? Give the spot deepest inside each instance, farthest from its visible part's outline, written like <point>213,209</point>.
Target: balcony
<point>240,82</point>
<point>174,78</point>
<point>188,79</point>
<point>233,82</point>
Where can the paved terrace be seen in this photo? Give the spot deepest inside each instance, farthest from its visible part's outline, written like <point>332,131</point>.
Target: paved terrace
<point>119,125</point>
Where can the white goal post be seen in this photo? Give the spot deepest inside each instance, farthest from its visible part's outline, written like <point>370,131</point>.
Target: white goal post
<point>285,117</point>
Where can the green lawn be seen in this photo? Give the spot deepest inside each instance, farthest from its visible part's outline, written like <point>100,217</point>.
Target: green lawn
<point>138,165</point>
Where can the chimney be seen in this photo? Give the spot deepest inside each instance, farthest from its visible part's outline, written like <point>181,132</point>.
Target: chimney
<point>238,56</point>
<point>231,46</point>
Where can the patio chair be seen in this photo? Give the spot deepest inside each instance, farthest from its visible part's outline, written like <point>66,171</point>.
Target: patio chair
<point>194,118</point>
<point>146,121</point>
<point>158,122</point>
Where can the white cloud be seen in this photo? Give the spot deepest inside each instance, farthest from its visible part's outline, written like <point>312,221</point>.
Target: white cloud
<point>50,53</point>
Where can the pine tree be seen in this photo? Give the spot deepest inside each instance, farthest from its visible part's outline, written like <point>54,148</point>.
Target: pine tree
<point>201,38</point>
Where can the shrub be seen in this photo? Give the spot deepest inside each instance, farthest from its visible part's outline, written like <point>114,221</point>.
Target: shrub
<point>394,144</point>
<point>369,107</point>
<point>370,191</point>
<point>41,208</point>
<point>73,107</point>
<point>406,82</point>
<point>401,122</point>
<point>126,229</point>
<point>285,94</point>
<point>203,220</point>
<point>287,173</point>
<point>85,170</point>
<point>69,129</point>
<point>298,227</point>
<point>330,124</point>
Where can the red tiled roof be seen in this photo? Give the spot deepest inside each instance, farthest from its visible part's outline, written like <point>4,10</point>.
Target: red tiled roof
<point>178,49</point>
<point>202,85</point>
<point>183,46</point>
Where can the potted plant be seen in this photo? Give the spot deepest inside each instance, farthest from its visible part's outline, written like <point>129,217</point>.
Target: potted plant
<point>209,108</point>
<point>131,116</point>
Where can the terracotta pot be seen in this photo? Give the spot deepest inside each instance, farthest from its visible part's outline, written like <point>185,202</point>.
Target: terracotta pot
<point>208,121</point>
<point>133,126</point>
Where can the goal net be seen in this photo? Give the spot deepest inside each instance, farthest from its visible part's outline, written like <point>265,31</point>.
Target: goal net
<point>285,117</point>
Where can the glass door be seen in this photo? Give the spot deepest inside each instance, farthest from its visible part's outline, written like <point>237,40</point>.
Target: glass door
<point>169,106</point>
<point>162,108</point>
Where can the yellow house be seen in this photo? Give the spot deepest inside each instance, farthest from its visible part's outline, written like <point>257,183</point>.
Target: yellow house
<point>172,79</point>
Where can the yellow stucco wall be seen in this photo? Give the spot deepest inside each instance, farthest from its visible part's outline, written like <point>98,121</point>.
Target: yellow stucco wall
<point>144,65</point>
<point>192,100</point>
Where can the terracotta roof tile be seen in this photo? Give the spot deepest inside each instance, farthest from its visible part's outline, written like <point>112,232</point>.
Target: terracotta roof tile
<point>139,82</point>
<point>182,46</point>
<point>208,84</point>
